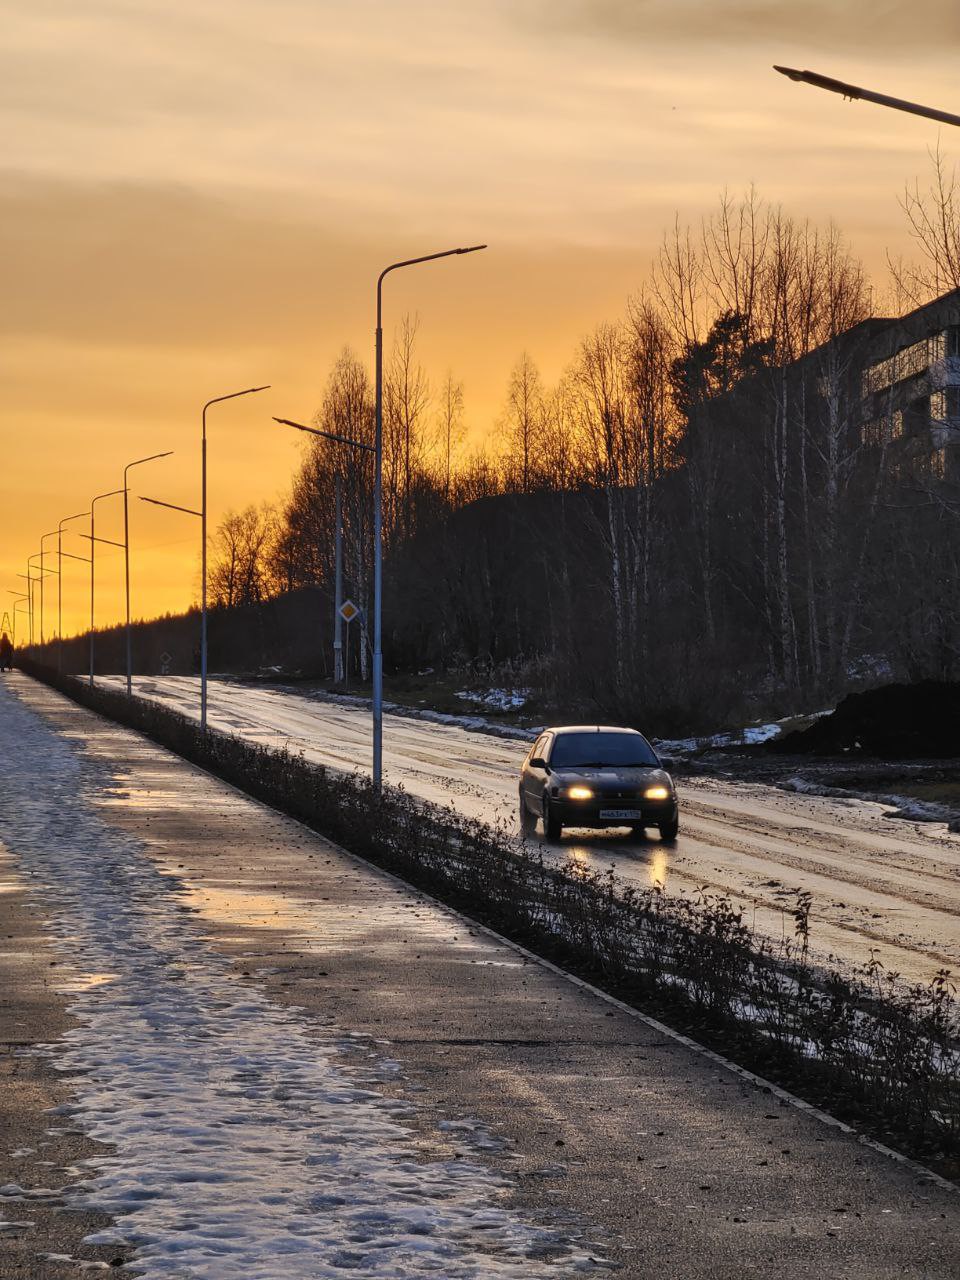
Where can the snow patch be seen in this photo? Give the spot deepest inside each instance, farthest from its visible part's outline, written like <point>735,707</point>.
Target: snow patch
<point>496,699</point>
<point>907,808</point>
<point>749,736</point>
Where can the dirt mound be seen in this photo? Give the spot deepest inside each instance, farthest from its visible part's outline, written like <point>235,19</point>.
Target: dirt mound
<point>894,722</point>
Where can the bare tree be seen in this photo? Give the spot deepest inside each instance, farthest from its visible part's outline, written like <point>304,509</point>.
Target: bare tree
<point>450,428</point>
<point>406,400</point>
<point>735,242</point>
<point>243,545</point>
<point>602,380</point>
<point>933,216</point>
<point>523,421</point>
<point>678,284</point>
<point>560,458</point>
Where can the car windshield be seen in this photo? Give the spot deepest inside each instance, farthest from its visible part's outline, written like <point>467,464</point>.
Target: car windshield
<point>588,750</point>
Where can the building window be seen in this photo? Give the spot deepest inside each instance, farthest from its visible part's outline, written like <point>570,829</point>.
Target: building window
<point>908,363</point>
<point>883,430</point>
<point>917,416</point>
<point>945,405</point>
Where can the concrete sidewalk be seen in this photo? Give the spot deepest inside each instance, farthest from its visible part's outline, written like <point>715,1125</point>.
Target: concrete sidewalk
<point>672,1166</point>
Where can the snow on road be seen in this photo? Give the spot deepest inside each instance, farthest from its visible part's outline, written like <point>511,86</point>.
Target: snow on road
<point>880,885</point>
<point>247,1142</point>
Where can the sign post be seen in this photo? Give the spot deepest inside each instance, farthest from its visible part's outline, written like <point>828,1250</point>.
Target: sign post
<point>347,611</point>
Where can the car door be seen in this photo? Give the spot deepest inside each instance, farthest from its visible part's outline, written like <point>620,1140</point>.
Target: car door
<point>535,777</point>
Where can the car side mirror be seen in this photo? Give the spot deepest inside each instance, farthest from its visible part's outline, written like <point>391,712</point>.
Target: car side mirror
<point>537,762</point>
<point>668,762</point>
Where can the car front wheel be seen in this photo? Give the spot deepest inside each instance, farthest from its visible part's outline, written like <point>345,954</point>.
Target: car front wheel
<point>668,830</point>
<point>552,826</point>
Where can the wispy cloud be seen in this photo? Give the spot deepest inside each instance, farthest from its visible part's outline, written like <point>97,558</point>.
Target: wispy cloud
<point>889,25</point>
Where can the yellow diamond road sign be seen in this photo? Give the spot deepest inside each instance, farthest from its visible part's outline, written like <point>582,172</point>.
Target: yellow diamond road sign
<point>348,611</point>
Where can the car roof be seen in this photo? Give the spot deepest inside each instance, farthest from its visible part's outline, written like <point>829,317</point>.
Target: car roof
<point>592,728</point>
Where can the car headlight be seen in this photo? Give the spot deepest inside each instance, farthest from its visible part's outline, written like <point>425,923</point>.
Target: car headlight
<point>580,793</point>
<point>657,793</point>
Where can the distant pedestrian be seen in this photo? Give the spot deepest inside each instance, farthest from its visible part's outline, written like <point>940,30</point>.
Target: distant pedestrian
<point>6,653</point>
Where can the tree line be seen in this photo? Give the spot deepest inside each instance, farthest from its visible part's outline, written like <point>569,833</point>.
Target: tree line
<point>688,526</point>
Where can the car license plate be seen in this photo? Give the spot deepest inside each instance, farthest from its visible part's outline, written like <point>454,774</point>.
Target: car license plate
<point>629,815</point>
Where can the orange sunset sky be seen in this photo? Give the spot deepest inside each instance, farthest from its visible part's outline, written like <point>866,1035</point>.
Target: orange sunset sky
<point>197,197</point>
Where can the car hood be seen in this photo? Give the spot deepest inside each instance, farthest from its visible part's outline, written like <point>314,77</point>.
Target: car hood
<point>612,776</point>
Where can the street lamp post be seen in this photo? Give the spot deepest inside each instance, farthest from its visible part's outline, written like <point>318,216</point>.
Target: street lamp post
<point>29,599</point>
<point>126,554</point>
<point>22,603</point>
<point>31,579</point>
<point>17,604</point>
<point>172,506</point>
<point>60,554</point>
<point>377,450</point>
<point>378,513</point>
<point>854,92</point>
<point>51,534</point>
<point>93,556</point>
<point>233,395</point>
<point>29,575</point>
<point>338,667</point>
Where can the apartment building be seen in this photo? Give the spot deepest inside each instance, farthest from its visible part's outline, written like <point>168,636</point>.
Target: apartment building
<point>910,387</point>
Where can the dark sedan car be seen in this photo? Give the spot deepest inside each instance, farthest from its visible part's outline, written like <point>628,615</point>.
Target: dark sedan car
<point>596,776</point>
